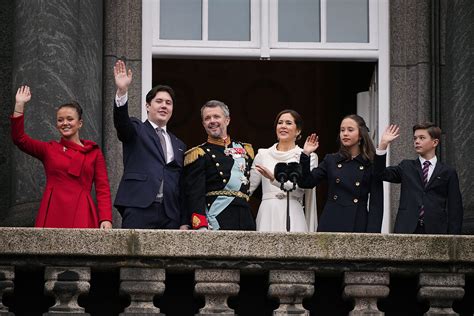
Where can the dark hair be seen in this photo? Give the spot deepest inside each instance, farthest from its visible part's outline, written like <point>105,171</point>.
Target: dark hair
<point>366,146</point>
<point>73,105</point>
<point>152,93</point>
<point>296,116</point>
<point>216,104</point>
<point>433,130</point>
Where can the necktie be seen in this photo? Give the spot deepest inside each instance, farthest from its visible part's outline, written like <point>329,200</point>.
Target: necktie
<point>160,132</point>
<point>426,167</point>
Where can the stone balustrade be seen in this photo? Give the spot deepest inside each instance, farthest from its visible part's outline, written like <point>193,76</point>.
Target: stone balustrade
<point>289,267</point>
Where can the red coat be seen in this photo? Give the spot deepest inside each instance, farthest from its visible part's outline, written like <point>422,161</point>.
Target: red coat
<point>70,171</point>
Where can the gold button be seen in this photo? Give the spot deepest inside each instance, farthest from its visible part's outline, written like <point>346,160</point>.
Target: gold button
<point>335,197</point>
<point>208,149</point>
<point>361,167</point>
<point>221,173</point>
<point>217,164</point>
<point>213,156</point>
<point>357,183</point>
<point>339,165</point>
<point>338,180</point>
<point>224,180</point>
<point>356,200</point>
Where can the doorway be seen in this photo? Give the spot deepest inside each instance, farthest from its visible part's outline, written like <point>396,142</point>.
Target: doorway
<point>256,91</point>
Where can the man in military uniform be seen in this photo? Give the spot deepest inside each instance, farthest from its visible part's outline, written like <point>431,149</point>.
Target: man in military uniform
<point>217,175</point>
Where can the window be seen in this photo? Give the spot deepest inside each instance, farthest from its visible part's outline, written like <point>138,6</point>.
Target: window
<point>263,28</point>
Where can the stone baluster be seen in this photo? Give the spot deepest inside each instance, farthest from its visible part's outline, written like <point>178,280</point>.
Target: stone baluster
<point>365,288</point>
<point>290,288</point>
<point>216,285</point>
<point>65,284</point>
<point>142,284</point>
<point>441,289</point>
<point>7,274</point>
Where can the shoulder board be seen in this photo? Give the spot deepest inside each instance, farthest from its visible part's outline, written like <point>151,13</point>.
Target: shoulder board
<point>249,149</point>
<point>193,154</point>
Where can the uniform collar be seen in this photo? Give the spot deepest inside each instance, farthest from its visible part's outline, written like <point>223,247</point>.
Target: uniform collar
<point>219,142</point>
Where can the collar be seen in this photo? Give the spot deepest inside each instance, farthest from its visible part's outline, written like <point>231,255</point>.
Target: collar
<point>219,142</point>
<point>433,160</point>
<point>156,126</point>
<point>359,158</point>
<point>88,145</point>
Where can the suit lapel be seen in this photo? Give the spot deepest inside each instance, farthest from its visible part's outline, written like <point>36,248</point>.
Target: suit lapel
<point>437,170</point>
<point>417,164</point>
<point>152,134</point>
<point>175,145</point>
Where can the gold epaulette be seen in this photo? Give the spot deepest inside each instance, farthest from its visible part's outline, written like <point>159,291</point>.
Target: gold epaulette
<point>193,154</point>
<point>249,149</point>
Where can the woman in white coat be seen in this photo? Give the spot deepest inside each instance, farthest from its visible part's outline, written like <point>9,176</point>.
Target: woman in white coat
<point>273,209</point>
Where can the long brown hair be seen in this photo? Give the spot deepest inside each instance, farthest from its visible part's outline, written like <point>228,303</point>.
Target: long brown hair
<point>366,146</point>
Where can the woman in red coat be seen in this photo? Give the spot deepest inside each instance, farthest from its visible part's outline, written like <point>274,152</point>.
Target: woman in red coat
<point>72,165</point>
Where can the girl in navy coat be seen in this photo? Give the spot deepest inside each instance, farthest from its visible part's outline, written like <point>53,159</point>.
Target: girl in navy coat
<point>351,180</point>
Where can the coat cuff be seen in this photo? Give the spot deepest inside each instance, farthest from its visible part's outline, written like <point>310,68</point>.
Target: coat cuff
<point>198,221</point>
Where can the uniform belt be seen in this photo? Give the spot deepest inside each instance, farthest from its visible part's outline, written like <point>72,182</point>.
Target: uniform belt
<point>229,193</point>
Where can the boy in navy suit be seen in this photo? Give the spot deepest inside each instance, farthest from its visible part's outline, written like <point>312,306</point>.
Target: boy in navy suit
<point>430,199</point>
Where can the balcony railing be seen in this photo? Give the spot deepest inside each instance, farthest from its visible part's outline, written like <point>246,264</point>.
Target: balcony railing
<point>139,272</point>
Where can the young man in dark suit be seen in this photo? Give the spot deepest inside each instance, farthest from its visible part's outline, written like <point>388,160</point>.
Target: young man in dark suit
<point>149,194</point>
<point>430,199</point>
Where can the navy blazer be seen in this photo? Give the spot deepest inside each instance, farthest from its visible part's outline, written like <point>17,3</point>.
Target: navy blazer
<point>145,167</point>
<point>441,196</point>
<point>350,182</point>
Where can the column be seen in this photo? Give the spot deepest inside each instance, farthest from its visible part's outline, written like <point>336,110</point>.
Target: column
<point>142,284</point>
<point>365,288</point>
<point>441,289</point>
<point>122,39</point>
<point>216,286</point>
<point>410,69</point>
<point>58,53</point>
<point>290,288</point>
<point>7,274</point>
<point>457,91</point>
<point>65,284</point>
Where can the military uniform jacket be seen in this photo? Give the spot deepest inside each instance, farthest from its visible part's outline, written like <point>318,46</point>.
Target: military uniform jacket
<point>441,196</point>
<point>350,182</point>
<point>208,169</point>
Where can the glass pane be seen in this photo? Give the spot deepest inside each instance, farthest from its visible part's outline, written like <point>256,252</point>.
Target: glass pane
<point>229,20</point>
<point>298,21</point>
<point>180,19</point>
<point>348,21</point>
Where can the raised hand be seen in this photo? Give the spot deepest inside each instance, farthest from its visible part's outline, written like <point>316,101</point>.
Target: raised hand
<point>123,78</point>
<point>265,172</point>
<point>23,95</point>
<point>311,144</point>
<point>391,132</point>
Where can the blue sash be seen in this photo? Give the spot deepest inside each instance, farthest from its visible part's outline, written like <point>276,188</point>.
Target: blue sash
<point>234,184</point>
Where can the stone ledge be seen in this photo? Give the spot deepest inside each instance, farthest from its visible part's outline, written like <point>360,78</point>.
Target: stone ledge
<point>236,245</point>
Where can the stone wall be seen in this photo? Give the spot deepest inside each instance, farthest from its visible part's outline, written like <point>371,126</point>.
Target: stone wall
<point>57,51</point>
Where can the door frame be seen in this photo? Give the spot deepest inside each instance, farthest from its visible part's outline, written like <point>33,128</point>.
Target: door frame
<point>381,55</point>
